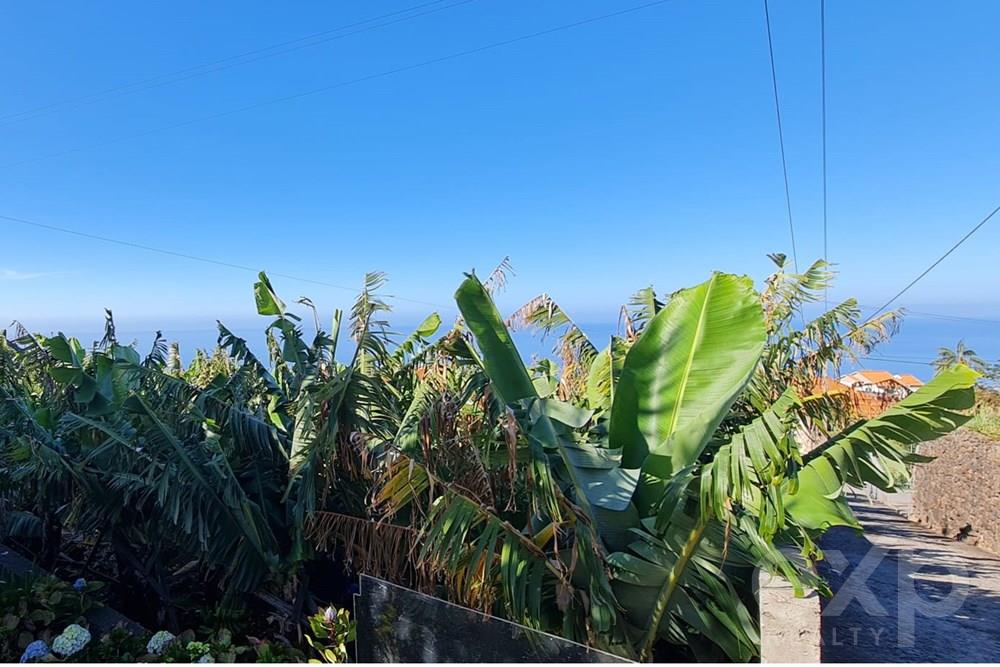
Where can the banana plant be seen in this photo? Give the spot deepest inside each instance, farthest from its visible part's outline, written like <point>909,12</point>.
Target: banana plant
<point>658,519</point>
<point>224,473</point>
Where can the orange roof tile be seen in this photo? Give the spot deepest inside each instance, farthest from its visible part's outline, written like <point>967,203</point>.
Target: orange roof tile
<point>908,380</point>
<point>829,386</point>
<point>876,376</point>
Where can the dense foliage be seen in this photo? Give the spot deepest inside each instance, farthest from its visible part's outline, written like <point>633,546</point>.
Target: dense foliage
<point>621,495</point>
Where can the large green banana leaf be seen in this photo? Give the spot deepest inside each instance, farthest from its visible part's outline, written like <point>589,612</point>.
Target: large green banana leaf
<point>672,579</point>
<point>681,377</point>
<point>875,451</point>
<point>604,372</point>
<point>687,368</point>
<point>501,360</point>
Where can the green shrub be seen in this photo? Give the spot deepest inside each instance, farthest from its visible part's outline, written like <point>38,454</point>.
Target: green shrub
<point>332,630</point>
<point>39,609</point>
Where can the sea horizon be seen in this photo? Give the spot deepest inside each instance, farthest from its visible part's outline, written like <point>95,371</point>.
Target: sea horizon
<point>912,350</point>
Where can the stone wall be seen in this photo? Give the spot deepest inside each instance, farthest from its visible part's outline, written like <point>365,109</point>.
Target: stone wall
<point>961,487</point>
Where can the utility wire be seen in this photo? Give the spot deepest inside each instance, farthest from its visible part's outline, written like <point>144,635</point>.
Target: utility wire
<point>781,135</point>
<point>896,360</point>
<point>237,60</point>
<point>941,316</point>
<point>197,258</point>
<point>822,47</point>
<point>351,82</point>
<point>935,263</point>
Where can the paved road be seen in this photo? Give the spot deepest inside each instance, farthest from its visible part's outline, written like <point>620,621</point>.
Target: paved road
<point>905,594</point>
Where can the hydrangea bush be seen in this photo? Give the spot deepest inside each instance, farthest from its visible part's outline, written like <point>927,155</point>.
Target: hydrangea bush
<point>36,650</point>
<point>159,642</point>
<point>35,610</point>
<point>72,640</point>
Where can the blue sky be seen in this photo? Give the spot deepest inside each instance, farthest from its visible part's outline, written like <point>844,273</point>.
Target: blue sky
<point>634,150</point>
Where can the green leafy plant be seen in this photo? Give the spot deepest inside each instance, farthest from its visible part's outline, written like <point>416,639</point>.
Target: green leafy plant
<point>621,496</point>
<point>216,646</point>
<point>332,630</point>
<point>220,465</point>
<point>117,645</point>
<point>646,516</point>
<point>960,354</point>
<point>39,608</point>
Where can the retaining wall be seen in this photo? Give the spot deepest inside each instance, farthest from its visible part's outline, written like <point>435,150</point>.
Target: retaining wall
<point>960,488</point>
<point>102,619</point>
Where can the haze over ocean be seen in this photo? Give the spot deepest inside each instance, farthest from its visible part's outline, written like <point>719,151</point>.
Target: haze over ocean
<point>910,351</point>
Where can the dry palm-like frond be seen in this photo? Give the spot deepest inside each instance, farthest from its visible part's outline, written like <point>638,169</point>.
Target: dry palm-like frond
<point>544,315</point>
<point>377,548</point>
<point>784,293</point>
<point>368,329</point>
<point>834,337</point>
<point>158,352</point>
<point>468,471</point>
<point>802,356</point>
<point>353,460</point>
<point>240,352</point>
<point>640,309</point>
<point>496,282</point>
<point>433,431</point>
<point>31,359</point>
<point>574,349</point>
<point>509,432</point>
<point>109,338</point>
<point>476,549</point>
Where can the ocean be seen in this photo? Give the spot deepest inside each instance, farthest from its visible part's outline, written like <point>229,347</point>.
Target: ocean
<point>911,351</point>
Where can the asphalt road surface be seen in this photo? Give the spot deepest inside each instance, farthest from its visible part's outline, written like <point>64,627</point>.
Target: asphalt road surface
<point>905,594</point>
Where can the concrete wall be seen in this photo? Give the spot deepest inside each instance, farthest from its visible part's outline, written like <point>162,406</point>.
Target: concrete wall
<point>789,626</point>
<point>961,487</point>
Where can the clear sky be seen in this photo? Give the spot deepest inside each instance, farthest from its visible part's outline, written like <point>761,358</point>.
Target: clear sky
<point>632,150</point>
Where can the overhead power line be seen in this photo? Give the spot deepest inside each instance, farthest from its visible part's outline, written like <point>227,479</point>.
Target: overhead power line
<point>204,260</point>
<point>897,360</point>
<point>354,81</point>
<point>941,316</point>
<point>940,259</point>
<point>245,58</point>
<point>781,135</point>
<point>822,50</point>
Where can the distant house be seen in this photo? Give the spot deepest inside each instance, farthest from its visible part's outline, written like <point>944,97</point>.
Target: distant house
<point>911,382</point>
<point>868,393</point>
<point>831,386</point>
<point>882,384</point>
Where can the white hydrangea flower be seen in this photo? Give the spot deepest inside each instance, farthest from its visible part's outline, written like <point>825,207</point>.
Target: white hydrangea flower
<point>72,640</point>
<point>159,642</point>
